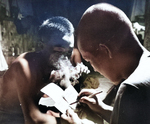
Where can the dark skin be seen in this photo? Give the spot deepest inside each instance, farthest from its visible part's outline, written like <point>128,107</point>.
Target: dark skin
<point>75,57</point>
<point>31,71</point>
<point>20,89</point>
<point>111,47</point>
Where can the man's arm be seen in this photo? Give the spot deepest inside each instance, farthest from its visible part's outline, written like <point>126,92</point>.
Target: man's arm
<point>75,57</point>
<point>131,105</point>
<point>27,89</point>
<point>96,104</point>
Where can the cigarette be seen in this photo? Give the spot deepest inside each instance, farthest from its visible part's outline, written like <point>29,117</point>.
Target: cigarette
<point>90,96</point>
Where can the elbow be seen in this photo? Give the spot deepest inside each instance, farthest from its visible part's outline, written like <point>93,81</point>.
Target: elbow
<point>41,118</point>
<point>34,118</point>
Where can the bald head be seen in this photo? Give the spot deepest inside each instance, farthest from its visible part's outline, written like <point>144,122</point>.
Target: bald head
<point>102,24</point>
<point>106,39</point>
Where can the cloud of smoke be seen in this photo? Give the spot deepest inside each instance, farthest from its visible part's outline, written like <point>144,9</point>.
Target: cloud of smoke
<point>67,74</point>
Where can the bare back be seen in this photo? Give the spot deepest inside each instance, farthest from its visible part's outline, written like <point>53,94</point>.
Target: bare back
<point>22,82</point>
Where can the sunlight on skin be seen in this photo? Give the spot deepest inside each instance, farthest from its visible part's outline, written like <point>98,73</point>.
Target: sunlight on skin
<point>26,68</point>
<point>69,39</point>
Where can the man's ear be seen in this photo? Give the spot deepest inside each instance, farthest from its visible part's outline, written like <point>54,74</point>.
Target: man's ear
<point>104,48</point>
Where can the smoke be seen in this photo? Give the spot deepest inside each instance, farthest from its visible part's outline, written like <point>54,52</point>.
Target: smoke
<point>66,73</point>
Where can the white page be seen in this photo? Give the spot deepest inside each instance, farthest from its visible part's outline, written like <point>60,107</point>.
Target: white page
<point>53,91</point>
<point>70,95</point>
<point>57,94</point>
<point>49,102</point>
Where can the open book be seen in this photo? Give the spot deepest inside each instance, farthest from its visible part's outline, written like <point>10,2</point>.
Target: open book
<point>58,97</point>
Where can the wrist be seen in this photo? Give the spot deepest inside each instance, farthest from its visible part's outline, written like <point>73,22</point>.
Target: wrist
<point>86,121</point>
<point>105,112</point>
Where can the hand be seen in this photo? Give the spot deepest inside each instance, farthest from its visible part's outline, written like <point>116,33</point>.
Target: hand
<point>52,116</point>
<point>75,57</point>
<point>71,117</point>
<point>95,103</point>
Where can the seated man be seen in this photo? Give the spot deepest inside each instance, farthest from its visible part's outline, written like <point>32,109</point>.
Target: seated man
<point>114,50</point>
<point>21,84</point>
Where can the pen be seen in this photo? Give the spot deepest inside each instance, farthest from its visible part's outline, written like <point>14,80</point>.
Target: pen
<point>90,96</point>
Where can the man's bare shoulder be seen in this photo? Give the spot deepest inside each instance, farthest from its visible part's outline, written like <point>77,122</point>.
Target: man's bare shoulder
<point>24,62</point>
<point>28,57</point>
<point>15,68</point>
<point>19,61</point>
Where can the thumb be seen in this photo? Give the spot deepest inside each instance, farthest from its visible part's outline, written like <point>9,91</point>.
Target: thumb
<point>49,112</point>
<point>64,116</point>
<point>88,100</point>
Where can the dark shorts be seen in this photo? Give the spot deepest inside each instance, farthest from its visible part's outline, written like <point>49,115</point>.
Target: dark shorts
<point>11,118</point>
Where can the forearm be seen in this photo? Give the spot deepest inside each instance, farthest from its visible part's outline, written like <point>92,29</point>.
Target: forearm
<point>32,115</point>
<point>36,117</point>
<point>97,105</point>
<point>86,121</point>
<point>106,112</point>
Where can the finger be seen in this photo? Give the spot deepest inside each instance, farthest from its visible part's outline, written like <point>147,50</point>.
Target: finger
<point>64,116</point>
<point>73,116</point>
<point>86,92</point>
<point>88,100</point>
<point>45,95</point>
<point>49,112</point>
<point>70,112</point>
<point>67,118</point>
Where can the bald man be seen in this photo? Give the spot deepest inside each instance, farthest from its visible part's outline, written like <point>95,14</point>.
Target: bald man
<point>21,84</point>
<point>105,38</point>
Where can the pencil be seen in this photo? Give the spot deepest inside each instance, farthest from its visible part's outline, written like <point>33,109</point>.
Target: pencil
<point>94,94</point>
<point>90,96</point>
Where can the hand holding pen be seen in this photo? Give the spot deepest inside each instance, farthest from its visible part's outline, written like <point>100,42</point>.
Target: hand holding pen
<point>90,96</point>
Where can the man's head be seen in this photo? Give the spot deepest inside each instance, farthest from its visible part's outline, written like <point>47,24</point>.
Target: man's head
<point>57,32</point>
<point>104,37</point>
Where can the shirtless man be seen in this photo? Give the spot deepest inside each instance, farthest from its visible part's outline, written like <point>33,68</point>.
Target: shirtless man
<point>21,84</point>
<point>106,39</point>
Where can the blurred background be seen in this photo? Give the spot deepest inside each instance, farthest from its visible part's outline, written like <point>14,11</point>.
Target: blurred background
<point>19,21</point>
